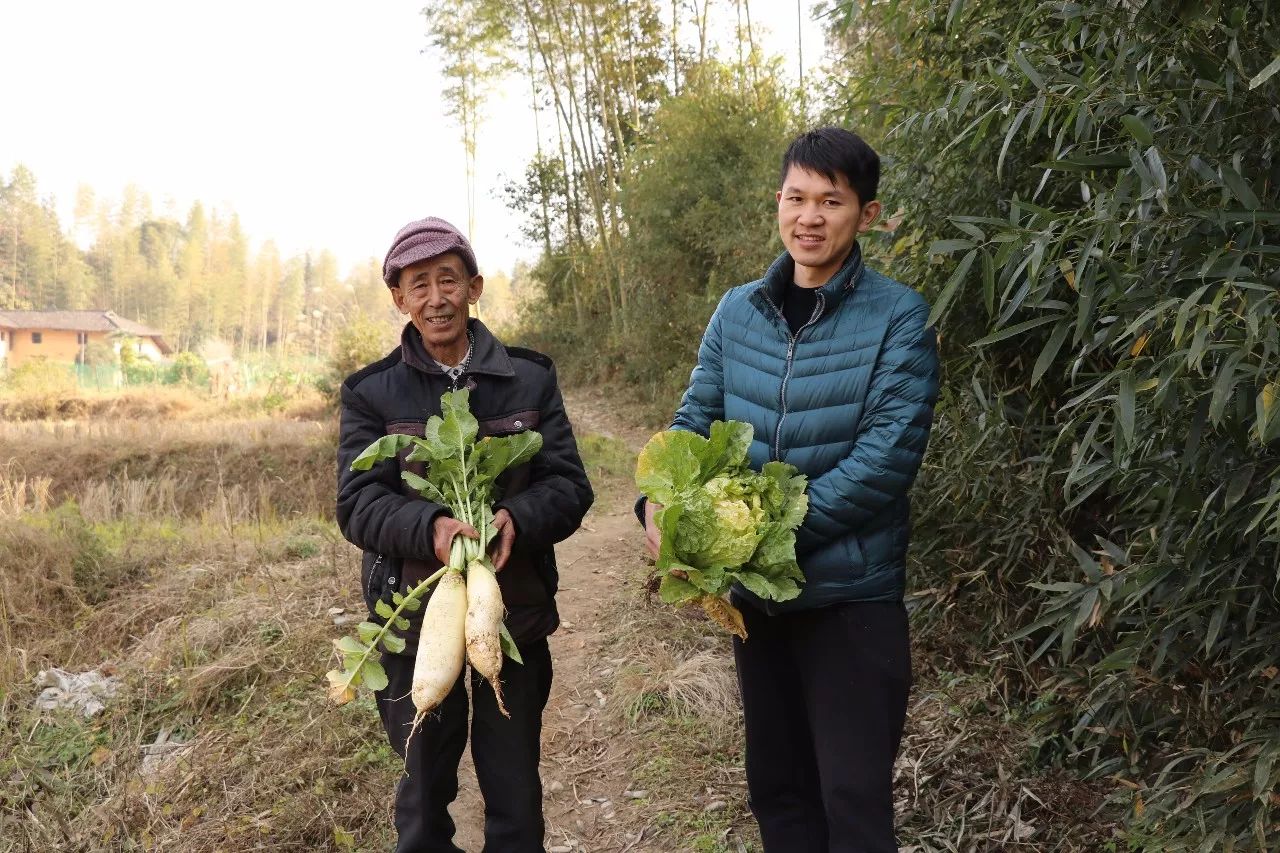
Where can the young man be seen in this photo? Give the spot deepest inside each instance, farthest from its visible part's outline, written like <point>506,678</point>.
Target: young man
<point>835,368</point>
<point>432,273</point>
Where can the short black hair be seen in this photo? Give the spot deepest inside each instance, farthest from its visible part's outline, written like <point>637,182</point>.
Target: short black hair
<point>831,150</point>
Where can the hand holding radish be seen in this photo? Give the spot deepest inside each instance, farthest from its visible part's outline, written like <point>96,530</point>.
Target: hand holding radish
<point>443,531</point>
<point>504,539</point>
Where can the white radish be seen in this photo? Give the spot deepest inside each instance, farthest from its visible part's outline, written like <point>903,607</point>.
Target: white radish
<point>441,644</point>
<point>484,618</point>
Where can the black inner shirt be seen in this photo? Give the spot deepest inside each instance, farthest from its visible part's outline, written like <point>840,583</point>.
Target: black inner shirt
<point>798,304</point>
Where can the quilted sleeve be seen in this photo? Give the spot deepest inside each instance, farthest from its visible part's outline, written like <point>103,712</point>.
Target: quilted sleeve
<point>892,434</point>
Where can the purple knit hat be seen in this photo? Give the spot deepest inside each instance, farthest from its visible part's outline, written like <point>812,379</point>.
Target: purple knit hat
<point>424,239</point>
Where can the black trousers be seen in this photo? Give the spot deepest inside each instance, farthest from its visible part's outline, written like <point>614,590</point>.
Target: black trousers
<point>824,696</point>
<point>505,753</point>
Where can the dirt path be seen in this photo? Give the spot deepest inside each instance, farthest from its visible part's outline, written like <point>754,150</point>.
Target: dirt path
<point>585,762</point>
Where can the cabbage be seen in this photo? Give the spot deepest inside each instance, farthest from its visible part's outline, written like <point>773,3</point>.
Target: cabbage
<point>722,523</point>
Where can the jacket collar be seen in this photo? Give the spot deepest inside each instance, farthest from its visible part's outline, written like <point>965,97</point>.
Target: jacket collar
<point>782,272</point>
<point>489,356</point>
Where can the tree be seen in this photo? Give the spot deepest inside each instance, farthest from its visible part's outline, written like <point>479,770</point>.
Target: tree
<point>469,39</point>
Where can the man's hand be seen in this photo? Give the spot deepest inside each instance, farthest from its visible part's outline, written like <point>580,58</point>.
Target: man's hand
<point>501,544</point>
<point>443,529</point>
<point>652,535</point>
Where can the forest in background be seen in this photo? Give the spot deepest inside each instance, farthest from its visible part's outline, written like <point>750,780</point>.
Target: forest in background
<point>198,279</point>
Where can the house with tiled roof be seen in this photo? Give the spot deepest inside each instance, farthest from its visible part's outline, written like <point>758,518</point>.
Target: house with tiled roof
<point>65,336</point>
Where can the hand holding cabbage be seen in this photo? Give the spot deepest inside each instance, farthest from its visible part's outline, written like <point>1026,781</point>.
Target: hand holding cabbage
<point>721,522</point>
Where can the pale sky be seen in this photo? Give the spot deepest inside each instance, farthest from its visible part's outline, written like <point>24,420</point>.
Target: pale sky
<point>320,123</point>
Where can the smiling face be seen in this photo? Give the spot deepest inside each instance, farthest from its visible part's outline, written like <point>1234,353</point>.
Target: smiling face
<point>436,294</point>
<point>819,221</point>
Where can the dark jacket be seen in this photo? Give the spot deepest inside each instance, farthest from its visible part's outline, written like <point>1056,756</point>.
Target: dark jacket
<point>512,390</point>
<point>848,400</point>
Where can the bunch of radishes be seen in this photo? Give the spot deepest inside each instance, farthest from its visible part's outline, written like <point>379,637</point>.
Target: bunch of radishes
<point>463,618</point>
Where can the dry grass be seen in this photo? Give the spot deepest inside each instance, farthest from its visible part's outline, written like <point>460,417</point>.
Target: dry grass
<point>64,402</point>
<point>221,646</point>
<point>226,470</point>
<point>192,561</point>
<point>963,780</point>
<point>67,402</point>
<point>20,494</point>
<point>676,696</point>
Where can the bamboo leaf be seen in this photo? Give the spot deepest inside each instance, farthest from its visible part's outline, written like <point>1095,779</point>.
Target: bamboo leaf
<point>988,283</point>
<point>1262,784</point>
<point>1008,137</point>
<point>1265,74</point>
<point>1032,74</point>
<point>1068,272</point>
<point>1223,387</point>
<point>1124,406</point>
<point>951,287</point>
<point>1085,609</point>
<point>1050,351</point>
<point>1017,329</point>
<point>1239,188</point>
<point>946,247</point>
<point>1137,129</point>
<point>1215,624</point>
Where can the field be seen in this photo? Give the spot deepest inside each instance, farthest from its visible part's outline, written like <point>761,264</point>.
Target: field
<point>188,554</point>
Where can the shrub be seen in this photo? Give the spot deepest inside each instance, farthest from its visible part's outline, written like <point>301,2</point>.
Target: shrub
<point>1105,174</point>
<point>360,342</point>
<point>188,369</point>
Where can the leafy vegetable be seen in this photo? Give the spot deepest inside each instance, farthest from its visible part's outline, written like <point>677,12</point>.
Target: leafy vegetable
<point>721,522</point>
<point>462,475</point>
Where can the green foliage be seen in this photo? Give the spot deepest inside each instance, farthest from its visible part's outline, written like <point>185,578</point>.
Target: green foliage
<point>99,353</point>
<point>697,196</point>
<point>39,378</point>
<point>358,343</point>
<point>1090,198</point>
<point>721,522</point>
<point>462,473</point>
<point>188,369</point>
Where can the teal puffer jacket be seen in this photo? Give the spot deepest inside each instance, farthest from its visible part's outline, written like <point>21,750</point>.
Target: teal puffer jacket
<point>849,401</point>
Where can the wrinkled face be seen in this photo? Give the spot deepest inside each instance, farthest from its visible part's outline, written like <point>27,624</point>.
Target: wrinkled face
<point>436,293</point>
<point>819,222</point>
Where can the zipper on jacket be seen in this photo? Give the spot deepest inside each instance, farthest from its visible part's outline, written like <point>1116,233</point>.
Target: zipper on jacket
<point>786,372</point>
<point>373,572</point>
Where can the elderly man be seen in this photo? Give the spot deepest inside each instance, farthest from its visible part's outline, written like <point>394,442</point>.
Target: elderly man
<point>433,278</point>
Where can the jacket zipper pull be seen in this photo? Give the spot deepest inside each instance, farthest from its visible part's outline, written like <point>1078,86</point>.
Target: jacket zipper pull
<point>373,572</point>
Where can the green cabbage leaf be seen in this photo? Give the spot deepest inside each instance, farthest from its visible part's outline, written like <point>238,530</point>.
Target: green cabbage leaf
<point>722,523</point>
